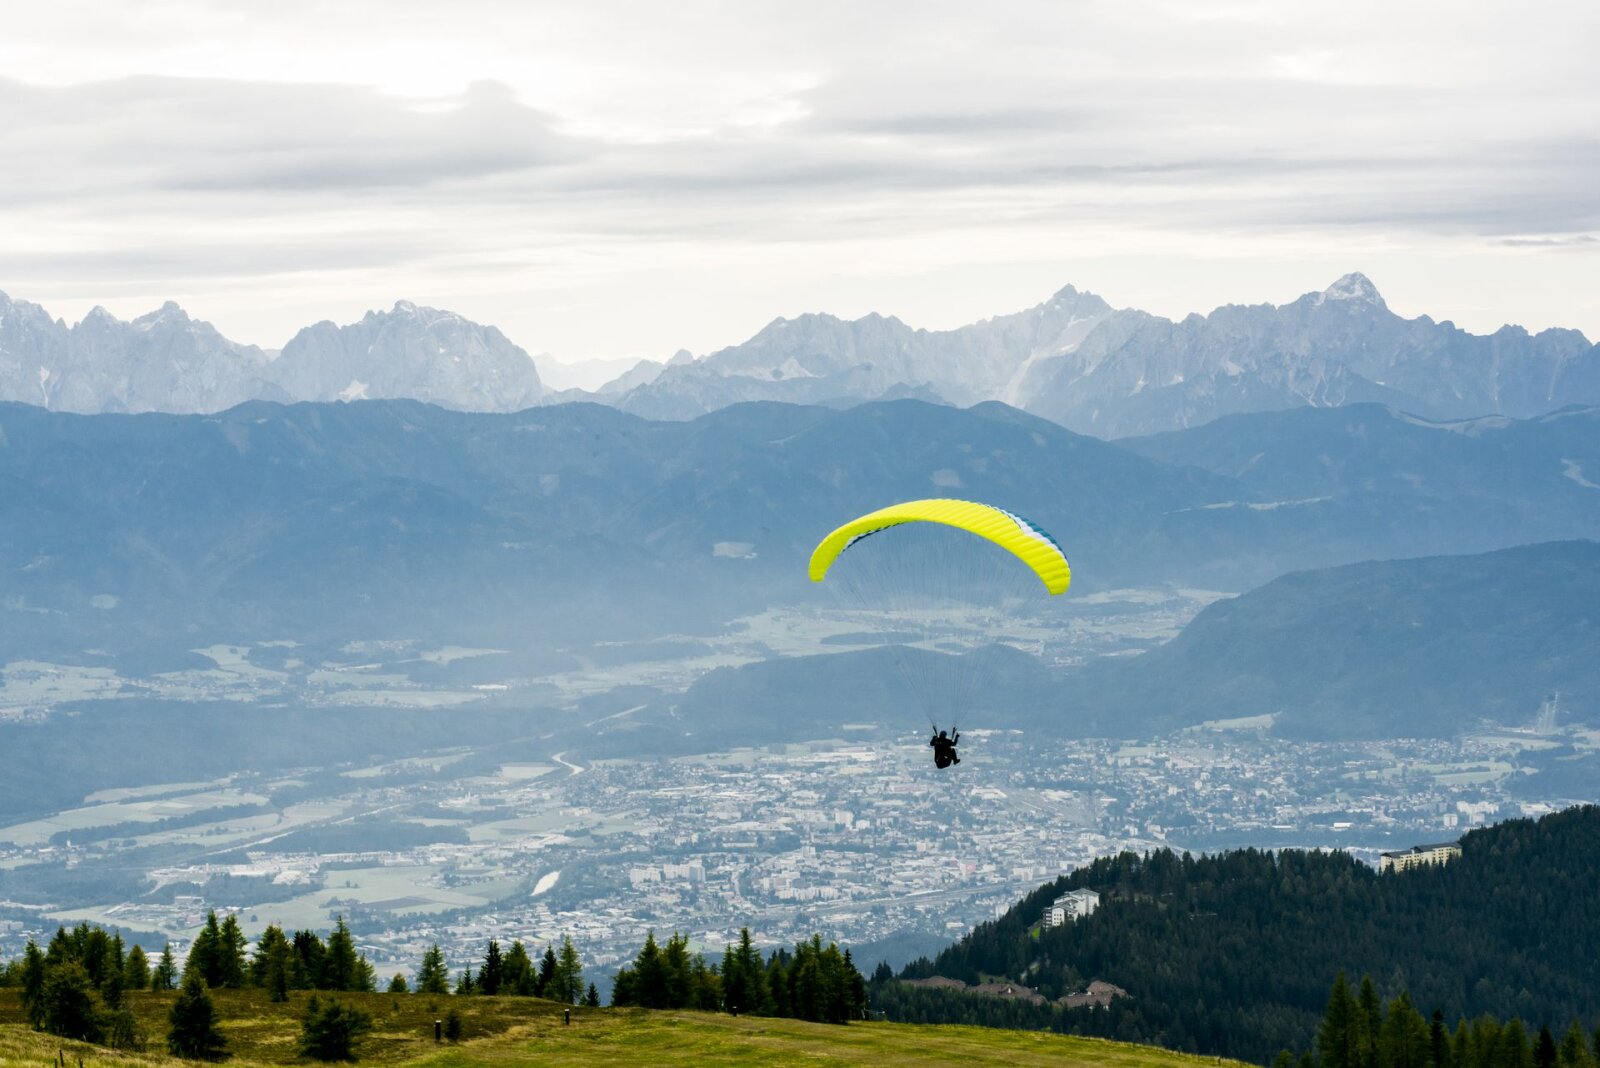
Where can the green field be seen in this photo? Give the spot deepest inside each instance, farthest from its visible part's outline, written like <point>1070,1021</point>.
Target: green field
<point>528,1031</point>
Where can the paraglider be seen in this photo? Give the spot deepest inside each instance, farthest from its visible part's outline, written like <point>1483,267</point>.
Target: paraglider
<point>939,566</point>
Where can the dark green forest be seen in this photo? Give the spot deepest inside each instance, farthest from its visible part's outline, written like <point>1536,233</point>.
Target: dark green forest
<point>1233,954</point>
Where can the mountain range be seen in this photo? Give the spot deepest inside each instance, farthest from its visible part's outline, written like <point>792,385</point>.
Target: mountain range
<point>1074,359</point>
<point>577,522</point>
<point>167,362</point>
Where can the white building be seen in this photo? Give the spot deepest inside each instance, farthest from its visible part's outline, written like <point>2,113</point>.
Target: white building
<point>1419,855</point>
<point>1073,905</point>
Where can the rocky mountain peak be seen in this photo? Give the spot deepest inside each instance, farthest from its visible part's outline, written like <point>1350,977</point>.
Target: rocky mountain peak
<point>1354,286</point>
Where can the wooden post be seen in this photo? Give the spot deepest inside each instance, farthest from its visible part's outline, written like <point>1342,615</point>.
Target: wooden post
<point>438,1030</point>
<point>567,1017</point>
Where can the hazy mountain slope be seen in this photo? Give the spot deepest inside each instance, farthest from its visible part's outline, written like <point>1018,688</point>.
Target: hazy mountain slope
<point>1427,647</point>
<point>579,521</point>
<point>1372,449</point>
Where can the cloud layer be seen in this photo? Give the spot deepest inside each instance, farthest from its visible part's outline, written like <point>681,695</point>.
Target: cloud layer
<point>616,181</point>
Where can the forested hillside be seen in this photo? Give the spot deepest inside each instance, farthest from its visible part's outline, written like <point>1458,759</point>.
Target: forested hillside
<point>1234,953</point>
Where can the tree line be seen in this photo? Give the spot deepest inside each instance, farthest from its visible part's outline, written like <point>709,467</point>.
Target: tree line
<point>557,977</point>
<point>1360,1030</point>
<point>811,983</point>
<point>1229,954</point>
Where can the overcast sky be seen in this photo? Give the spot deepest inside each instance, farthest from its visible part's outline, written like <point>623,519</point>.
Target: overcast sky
<point>609,179</point>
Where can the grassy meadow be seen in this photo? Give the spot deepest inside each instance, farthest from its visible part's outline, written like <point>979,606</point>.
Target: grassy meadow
<point>511,1031</point>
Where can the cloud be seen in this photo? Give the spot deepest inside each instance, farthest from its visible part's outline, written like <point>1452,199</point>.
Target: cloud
<point>150,134</point>
<point>497,147</point>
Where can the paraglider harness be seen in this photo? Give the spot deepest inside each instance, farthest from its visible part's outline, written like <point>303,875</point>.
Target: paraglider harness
<point>944,748</point>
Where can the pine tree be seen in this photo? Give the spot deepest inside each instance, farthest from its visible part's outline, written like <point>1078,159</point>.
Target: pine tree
<point>735,984</point>
<point>1574,1049</point>
<point>111,987</point>
<point>490,975</point>
<point>193,1032</point>
<point>434,976</point>
<point>516,971</point>
<point>70,1009</point>
<point>230,954</point>
<point>136,973</point>
<point>464,982</point>
<point>1371,1023</point>
<point>758,999</point>
<point>1438,1041</point>
<point>33,974</point>
<point>1403,1042</point>
<point>569,974</point>
<point>341,969</point>
<point>272,967</point>
<point>331,1030</point>
<point>547,971</point>
<point>592,998</point>
<point>1544,1049</point>
<point>205,956</point>
<point>165,974</point>
<point>397,985</point>
<point>452,1025</point>
<point>310,962</point>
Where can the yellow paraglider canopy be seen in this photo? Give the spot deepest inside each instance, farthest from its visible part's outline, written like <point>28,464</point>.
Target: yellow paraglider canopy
<point>1012,533</point>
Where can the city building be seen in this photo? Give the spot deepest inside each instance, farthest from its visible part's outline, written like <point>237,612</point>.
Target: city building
<point>1073,905</point>
<point>1416,856</point>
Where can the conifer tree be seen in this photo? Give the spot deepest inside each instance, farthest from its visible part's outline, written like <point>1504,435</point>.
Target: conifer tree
<point>464,982</point>
<point>1545,1054</point>
<point>230,954</point>
<point>433,977</point>
<point>516,971</point>
<point>341,968</point>
<point>397,985</point>
<point>1574,1049</point>
<point>272,967</point>
<point>592,998</point>
<point>1403,1042</point>
<point>331,1030</point>
<point>193,1029</point>
<point>205,959</point>
<point>310,961</point>
<point>164,976</point>
<point>568,974</point>
<point>547,971</point>
<point>490,975</point>
<point>70,1009</point>
<point>33,974</point>
<point>136,972</point>
<point>1371,1023</point>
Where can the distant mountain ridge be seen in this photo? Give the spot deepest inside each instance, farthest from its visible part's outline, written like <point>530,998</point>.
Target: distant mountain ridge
<point>1074,359</point>
<point>167,362</point>
<point>1116,372</point>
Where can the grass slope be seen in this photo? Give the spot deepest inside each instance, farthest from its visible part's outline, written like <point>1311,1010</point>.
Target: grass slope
<point>506,1031</point>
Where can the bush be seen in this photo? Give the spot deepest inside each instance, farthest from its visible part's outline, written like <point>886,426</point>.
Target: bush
<point>123,1031</point>
<point>452,1026</point>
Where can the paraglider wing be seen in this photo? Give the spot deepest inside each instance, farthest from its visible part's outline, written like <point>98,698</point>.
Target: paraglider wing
<point>1011,532</point>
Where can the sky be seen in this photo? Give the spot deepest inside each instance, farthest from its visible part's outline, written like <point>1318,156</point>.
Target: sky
<point>606,180</point>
